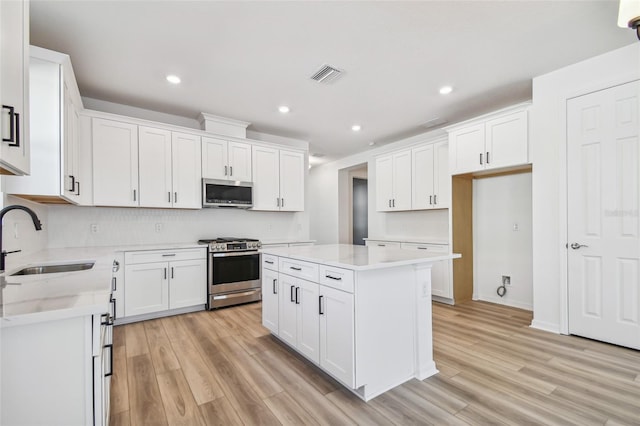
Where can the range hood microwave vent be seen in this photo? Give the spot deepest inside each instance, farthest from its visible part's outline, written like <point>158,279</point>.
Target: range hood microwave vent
<point>326,74</point>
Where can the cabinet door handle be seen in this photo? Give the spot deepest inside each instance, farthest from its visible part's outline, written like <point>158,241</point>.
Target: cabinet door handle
<point>291,293</point>
<point>394,202</point>
<point>110,347</point>
<point>334,278</point>
<point>78,188</point>
<point>295,268</point>
<point>430,199</point>
<point>389,203</point>
<point>320,305</point>
<point>435,199</point>
<point>278,202</point>
<point>225,170</point>
<point>12,128</point>
<point>480,158</point>
<point>275,287</point>
<point>282,202</point>
<point>113,301</point>
<point>297,295</point>
<point>73,183</point>
<point>113,284</point>
<point>169,196</point>
<point>175,197</point>
<point>230,170</point>
<point>134,195</point>
<point>172,272</point>
<point>165,273</point>
<point>487,157</point>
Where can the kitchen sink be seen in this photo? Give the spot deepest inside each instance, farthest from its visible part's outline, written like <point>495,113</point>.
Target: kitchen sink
<point>52,269</point>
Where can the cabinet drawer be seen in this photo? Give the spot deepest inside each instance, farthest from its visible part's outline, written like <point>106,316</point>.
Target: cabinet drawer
<point>431,248</point>
<point>338,278</point>
<point>270,261</point>
<point>380,243</point>
<point>298,268</point>
<point>133,257</point>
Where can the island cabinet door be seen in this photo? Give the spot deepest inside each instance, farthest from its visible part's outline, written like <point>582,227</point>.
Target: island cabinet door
<point>270,303</point>
<point>336,334</point>
<point>287,310</point>
<point>308,319</point>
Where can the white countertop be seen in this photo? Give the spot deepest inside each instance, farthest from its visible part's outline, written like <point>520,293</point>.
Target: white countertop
<point>268,242</point>
<point>422,240</point>
<point>358,257</point>
<point>33,298</point>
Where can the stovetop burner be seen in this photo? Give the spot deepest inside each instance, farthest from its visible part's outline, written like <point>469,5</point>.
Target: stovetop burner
<point>227,240</point>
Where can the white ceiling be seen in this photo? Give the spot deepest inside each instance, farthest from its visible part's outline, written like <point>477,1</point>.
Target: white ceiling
<point>244,59</point>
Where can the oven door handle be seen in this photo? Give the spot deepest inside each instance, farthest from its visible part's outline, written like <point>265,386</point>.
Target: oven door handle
<point>237,253</point>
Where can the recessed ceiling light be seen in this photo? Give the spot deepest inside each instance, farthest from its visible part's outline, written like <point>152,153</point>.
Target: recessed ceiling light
<point>445,90</point>
<point>173,79</point>
<point>356,127</point>
<point>284,109</point>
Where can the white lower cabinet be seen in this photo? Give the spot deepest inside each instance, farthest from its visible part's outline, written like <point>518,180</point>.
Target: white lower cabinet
<point>270,294</point>
<point>441,283</point>
<point>56,372</point>
<point>162,280</point>
<point>315,319</point>
<point>336,333</point>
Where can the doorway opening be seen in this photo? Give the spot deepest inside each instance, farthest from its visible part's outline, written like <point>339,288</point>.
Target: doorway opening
<point>353,209</point>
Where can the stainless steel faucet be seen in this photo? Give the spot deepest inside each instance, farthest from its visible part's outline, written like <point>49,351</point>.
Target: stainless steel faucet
<point>36,223</point>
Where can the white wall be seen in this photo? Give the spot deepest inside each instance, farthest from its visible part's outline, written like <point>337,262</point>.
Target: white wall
<point>548,154</point>
<point>498,204</point>
<point>70,226</point>
<point>326,199</point>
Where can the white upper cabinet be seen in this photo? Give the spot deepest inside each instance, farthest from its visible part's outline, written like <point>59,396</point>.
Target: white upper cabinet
<point>430,177</point>
<point>186,174</point>
<point>226,160</point>
<point>154,160</point>
<point>278,179</point>
<point>14,87</point>
<point>115,163</point>
<point>497,142</point>
<point>393,181</point>
<point>291,181</point>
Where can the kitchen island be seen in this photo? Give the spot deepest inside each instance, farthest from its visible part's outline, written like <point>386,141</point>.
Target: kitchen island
<point>362,314</point>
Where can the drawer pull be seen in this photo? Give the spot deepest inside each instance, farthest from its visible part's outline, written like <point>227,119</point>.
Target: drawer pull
<point>295,268</point>
<point>382,245</point>
<point>334,278</point>
<point>168,255</point>
<point>422,248</point>
<point>270,262</point>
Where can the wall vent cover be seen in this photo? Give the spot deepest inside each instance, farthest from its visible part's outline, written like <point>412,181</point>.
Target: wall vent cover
<point>325,74</point>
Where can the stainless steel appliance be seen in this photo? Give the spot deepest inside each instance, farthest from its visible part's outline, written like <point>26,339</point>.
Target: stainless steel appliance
<point>224,193</point>
<point>233,271</point>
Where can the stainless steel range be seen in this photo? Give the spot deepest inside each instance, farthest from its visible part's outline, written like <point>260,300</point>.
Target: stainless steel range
<point>233,271</point>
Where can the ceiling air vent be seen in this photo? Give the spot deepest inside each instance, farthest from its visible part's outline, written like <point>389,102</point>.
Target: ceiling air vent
<point>325,74</point>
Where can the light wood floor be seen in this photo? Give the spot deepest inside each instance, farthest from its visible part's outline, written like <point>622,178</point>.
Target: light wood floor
<point>223,368</point>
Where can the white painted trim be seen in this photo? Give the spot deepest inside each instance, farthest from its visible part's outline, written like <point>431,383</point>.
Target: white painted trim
<point>203,117</point>
<point>161,314</point>
<point>546,326</point>
<point>499,301</point>
<point>444,300</point>
<point>513,108</point>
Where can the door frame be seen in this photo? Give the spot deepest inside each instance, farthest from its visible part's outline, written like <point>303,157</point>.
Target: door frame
<point>563,159</point>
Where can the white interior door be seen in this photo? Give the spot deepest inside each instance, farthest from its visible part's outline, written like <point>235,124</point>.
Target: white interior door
<point>603,162</point>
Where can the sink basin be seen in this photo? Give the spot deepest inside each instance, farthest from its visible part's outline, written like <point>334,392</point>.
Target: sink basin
<point>52,269</point>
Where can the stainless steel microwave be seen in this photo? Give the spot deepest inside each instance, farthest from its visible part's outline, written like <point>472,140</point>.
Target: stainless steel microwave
<point>224,193</point>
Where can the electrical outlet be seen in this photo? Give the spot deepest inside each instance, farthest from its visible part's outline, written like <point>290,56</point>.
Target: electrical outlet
<point>506,280</point>
<point>158,227</point>
<point>94,228</point>
<point>516,227</point>
<point>425,292</point>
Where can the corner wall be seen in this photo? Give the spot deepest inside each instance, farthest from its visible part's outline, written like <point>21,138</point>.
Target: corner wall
<point>548,155</point>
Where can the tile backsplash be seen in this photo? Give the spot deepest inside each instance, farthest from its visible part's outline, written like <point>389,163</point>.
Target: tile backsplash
<point>72,226</point>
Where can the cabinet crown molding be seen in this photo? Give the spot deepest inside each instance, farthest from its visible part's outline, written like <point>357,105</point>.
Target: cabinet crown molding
<point>481,118</point>
<point>223,125</point>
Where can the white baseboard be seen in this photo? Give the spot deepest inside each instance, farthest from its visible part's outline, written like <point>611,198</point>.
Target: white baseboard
<point>507,302</point>
<point>545,326</point>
